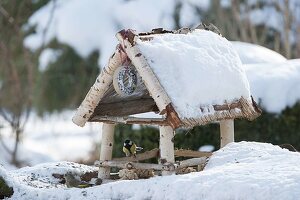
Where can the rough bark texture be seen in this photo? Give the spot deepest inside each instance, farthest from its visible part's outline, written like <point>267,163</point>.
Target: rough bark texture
<point>190,153</point>
<point>130,120</point>
<point>125,108</point>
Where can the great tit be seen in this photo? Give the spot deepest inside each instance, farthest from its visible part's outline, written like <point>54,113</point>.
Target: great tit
<point>130,148</point>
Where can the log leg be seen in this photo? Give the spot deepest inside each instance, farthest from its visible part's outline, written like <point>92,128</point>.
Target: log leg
<point>166,146</point>
<point>106,149</point>
<point>226,132</point>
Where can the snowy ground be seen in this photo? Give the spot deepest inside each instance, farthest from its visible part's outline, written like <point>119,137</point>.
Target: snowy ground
<point>52,138</point>
<point>244,170</point>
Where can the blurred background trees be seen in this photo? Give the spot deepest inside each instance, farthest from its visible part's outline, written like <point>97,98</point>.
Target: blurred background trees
<point>23,87</point>
<point>17,68</point>
<point>26,87</point>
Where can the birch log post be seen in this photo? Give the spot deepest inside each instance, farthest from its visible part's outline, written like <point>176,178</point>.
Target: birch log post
<point>106,149</point>
<point>226,132</point>
<point>97,91</point>
<point>166,146</point>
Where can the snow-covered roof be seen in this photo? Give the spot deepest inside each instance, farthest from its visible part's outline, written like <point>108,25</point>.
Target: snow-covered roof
<point>193,76</point>
<point>197,69</point>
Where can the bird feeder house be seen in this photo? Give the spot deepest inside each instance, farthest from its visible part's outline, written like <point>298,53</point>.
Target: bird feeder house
<point>189,77</point>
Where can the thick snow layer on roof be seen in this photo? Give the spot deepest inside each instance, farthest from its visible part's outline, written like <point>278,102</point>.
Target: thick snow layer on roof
<point>275,85</point>
<point>198,69</point>
<point>245,170</point>
<point>253,53</point>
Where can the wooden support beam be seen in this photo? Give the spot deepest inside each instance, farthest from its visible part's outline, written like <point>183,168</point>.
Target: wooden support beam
<point>129,165</point>
<point>169,167</point>
<point>154,153</point>
<point>106,148</point>
<point>226,132</point>
<point>190,153</point>
<point>125,108</point>
<point>130,120</point>
<point>166,146</point>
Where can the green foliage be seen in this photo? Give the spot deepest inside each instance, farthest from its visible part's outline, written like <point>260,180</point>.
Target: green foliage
<point>65,82</point>
<point>146,137</point>
<point>270,128</point>
<point>5,190</point>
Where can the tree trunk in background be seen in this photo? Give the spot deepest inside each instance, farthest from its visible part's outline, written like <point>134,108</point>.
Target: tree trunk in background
<point>235,6</point>
<point>298,42</point>
<point>14,158</point>
<point>287,25</point>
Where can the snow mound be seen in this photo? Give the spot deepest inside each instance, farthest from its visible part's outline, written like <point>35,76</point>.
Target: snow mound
<point>244,170</point>
<point>275,86</point>
<point>198,69</point>
<point>253,53</point>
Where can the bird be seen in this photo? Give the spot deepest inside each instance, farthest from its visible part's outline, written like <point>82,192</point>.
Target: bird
<point>71,181</point>
<point>130,148</point>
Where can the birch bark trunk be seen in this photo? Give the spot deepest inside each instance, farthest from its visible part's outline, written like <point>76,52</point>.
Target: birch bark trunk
<point>97,91</point>
<point>226,132</point>
<point>166,146</point>
<point>106,149</point>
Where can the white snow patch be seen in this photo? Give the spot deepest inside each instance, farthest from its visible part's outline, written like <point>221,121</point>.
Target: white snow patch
<point>207,148</point>
<point>244,170</point>
<point>275,85</point>
<point>198,69</point>
<point>52,138</point>
<point>47,57</point>
<point>253,53</point>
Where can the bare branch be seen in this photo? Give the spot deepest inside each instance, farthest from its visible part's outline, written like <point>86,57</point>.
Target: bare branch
<point>48,23</point>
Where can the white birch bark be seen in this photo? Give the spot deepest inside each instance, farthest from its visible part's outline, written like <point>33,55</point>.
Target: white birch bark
<point>153,85</point>
<point>226,132</point>
<point>166,146</point>
<point>97,91</point>
<point>106,149</point>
